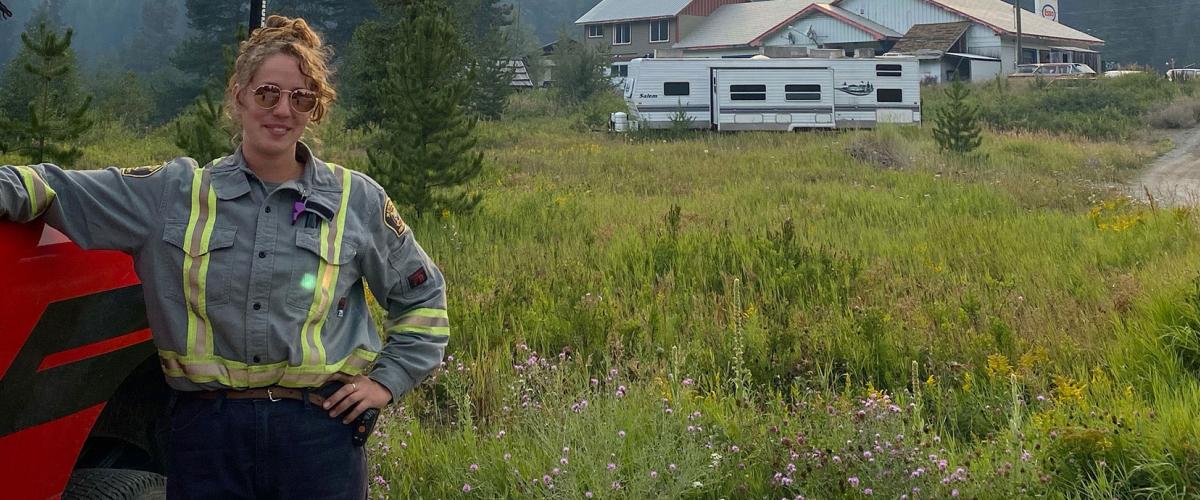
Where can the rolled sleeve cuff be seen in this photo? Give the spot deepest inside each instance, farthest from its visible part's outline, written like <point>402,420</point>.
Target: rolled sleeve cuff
<point>393,378</point>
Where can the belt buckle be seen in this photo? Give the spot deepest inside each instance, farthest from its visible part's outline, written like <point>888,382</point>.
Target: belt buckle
<point>271,396</point>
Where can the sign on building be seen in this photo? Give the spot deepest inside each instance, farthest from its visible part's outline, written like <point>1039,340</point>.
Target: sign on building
<point>1048,9</point>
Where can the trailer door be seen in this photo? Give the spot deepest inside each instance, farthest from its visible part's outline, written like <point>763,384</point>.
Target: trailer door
<point>772,98</point>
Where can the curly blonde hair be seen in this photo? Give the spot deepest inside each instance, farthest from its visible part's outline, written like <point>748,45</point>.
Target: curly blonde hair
<point>291,36</point>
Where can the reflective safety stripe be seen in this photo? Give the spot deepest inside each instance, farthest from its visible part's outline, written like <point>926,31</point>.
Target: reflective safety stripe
<point>424,320</point>
<point>239,375</point>
<point>39,192</point>
<point>328,270</point>
<point>195,264</point>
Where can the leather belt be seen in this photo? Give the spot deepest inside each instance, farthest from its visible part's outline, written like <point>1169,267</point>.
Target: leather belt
<point>273,393</point>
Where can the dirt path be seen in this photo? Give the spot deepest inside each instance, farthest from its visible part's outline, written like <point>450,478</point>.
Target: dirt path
<point>1174,179</point>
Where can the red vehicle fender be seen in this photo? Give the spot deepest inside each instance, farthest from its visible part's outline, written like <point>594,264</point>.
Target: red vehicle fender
<point>72,327</point>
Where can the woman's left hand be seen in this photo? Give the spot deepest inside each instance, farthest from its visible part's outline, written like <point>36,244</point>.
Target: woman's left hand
<point>358,394</point>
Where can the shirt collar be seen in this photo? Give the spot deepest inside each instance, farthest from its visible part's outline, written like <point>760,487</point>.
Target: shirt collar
<point>317,186</point>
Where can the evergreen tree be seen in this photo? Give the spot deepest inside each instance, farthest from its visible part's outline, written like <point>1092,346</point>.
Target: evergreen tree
<point>484,24</point>
<point>579,70</point>
<point>202,132</point>
<point>425,149</point>
<point>956,126</point>
<point>214,24</point>
<point>52,119</point>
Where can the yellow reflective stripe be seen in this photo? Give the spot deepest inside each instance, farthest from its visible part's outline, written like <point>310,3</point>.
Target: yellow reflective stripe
<point>195,269</point>
<point>437,331</point>
<point>422,318</point>
<point>40,193</point>
<point>327,277</point>
<point>235,374</point>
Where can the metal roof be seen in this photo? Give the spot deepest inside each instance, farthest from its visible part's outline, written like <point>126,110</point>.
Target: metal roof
<point>999,16</point>
<point>745,24</point>
<point>740,23</point>
<point>627,10</point>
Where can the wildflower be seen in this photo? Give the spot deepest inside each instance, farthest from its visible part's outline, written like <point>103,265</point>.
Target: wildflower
<point>545,479</point>
<point>595,382</point>
<point>868,491</point>
<point>734,449</point>
<point>611,466</point>
<point>942,464</point>
<point>653,473</point>
<point>671,467</point>
<point>474,467</point>
<point>562,461</point>
<point>688,381</point>
<point>1025,456</point>
<point>555,471</point>
<point>380,480</point>
<point>466,488</point>
<point>501,434</point>
<point>667,411</point>
<point>587,494</point>
<point>867,454</point>
<point>697,484</point>
<point>507,456</point>
<point>691,428</point>
<point>621,434</point>
<point>837,459</point>
<point>853,480</point>
<point>616,485</point>
<point>954,492</point>
<point>566,449</point>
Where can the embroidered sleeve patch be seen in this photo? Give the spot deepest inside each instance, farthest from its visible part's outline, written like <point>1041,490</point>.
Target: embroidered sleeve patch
<point>145,171</point>
<point>391,217</point>
<point>417,278</point>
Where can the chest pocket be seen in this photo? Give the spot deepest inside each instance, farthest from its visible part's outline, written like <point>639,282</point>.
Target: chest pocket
<point>319,273</point>
<point>197,270</point>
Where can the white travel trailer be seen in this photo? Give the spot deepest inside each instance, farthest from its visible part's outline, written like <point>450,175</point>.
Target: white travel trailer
<point>772,94</point>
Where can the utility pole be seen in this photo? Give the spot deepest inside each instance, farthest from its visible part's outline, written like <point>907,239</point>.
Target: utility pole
<point>258,14</point>
<point>1017,6</point>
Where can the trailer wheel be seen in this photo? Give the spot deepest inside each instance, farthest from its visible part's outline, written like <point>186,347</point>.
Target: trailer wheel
<point>115,484</point>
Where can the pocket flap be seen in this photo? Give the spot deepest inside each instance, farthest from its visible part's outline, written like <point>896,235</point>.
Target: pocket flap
<point>175,233</point>
<point>310,239</point>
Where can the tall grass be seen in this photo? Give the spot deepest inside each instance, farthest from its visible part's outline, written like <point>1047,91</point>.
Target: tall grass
<point>822,314</point>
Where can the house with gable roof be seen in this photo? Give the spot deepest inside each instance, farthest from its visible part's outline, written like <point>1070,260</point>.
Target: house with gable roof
<point>967,39</point>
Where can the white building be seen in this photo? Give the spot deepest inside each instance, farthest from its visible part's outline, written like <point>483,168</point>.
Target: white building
<point>969,39</point>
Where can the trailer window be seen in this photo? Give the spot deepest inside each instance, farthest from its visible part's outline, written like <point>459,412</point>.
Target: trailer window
<point>890,95</point>
<point>748,92</point>
<point>802,92</point>
<point>888,70</point>
<point>677,88</point>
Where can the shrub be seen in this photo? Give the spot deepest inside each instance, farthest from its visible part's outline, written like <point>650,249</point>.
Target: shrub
<point>881,148</point>
<point>1183,112</point>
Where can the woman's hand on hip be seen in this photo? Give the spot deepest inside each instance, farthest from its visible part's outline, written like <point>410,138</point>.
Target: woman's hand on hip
<point>358,394</point>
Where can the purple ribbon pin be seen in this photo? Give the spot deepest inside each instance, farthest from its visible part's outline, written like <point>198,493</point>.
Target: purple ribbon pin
<point>297,209</point>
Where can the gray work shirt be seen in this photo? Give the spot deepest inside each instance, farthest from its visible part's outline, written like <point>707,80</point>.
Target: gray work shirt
<point>249,287</point>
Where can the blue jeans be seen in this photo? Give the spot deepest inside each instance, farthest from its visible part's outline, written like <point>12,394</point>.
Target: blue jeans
<point>256,448</point>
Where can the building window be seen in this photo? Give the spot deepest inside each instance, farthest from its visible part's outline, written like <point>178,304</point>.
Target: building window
<point>887,70</point>
<point>621,70</point>
<point>677,88</point>
<point>802,92</point>
<point>748,92</point>
<point>595,30</point>
<point>621,34</point>
<point>660,31</point>
<point>889,95</point>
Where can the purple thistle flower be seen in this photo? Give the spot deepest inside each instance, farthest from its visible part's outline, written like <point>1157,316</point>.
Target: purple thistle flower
<point>653,473</point>
<point>868,491</point>
<point>612,466</point>
<point>474,467</point>
<point>466,488</point>
<point>853,480</point>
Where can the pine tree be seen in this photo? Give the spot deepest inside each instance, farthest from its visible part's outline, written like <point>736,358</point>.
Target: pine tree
<point>579,70</point>
<point>203,132</point>
<point>54,116</point>
<point>425,149</point>
<point>956,127</point>
<point>484,24</point>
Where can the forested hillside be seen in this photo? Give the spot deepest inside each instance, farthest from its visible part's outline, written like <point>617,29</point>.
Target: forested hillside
<point>1150,32</point>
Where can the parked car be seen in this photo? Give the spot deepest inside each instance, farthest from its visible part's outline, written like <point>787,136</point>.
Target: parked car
<point>1181,74</point>
<point>1054,70</point>
<point>1122,72</point>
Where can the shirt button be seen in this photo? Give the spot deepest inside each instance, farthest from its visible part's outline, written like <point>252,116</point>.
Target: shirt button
<point>268,209</point>
<point>257,306</point>
<point>257,359</point>
<point>262,255</point>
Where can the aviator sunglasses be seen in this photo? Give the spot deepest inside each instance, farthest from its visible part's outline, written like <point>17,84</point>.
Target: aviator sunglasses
<point>266,96</point>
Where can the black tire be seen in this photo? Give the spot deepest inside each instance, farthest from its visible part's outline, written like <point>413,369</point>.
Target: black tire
<point>115,484</point>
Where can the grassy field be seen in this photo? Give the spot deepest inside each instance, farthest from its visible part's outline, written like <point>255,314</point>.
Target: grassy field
<point>819,314</point>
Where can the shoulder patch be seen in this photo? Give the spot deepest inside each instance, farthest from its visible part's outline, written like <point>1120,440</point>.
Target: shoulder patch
<point>391,217</point>
<point>145,171</point>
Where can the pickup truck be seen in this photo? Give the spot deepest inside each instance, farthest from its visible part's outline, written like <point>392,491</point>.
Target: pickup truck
<point>83,403</point>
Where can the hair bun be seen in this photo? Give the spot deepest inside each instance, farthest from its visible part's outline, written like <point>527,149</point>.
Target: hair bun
<point>277,27</point>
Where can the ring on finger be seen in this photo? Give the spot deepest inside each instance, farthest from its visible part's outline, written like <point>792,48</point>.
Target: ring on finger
<point>353,386</point>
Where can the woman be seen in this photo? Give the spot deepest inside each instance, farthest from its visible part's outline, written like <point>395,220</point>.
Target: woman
<point>253,272</point>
